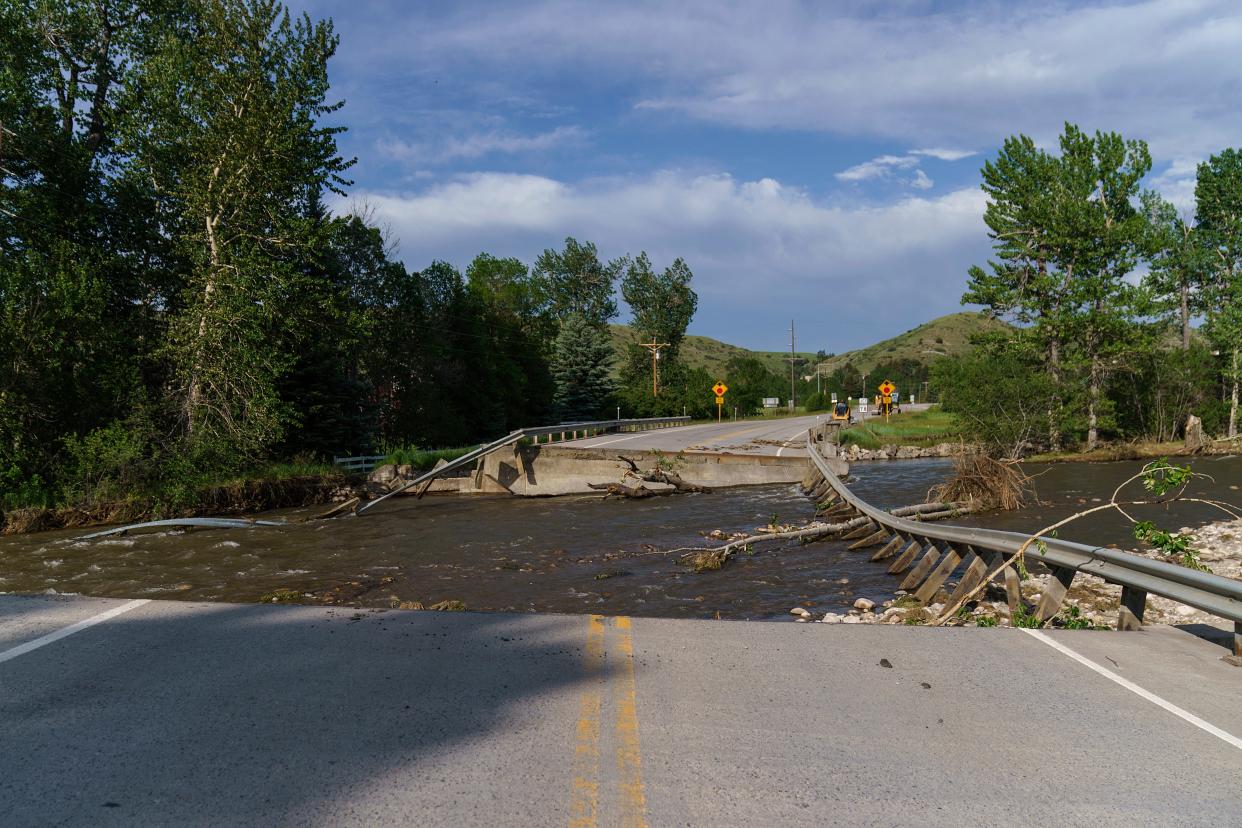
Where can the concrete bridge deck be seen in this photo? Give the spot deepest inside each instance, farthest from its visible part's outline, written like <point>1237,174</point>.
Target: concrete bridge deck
<point>180,713</point>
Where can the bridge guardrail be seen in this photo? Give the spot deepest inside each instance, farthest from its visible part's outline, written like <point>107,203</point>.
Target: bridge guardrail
<point>363,462</point>
<point>1137,576</point>
<point>512,437</point>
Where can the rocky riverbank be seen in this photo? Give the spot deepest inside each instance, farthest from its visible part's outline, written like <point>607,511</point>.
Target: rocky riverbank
<point>853,452</point>
<point>238,497</point>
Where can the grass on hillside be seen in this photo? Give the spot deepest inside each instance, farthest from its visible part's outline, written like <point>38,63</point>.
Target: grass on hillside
<point>916,428</point>
<point>944,336</point>
<point>709,354</point>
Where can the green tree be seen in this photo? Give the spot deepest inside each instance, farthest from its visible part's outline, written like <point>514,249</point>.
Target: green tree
<point>1101,243</point>
<point>225,123</point>
<point>1001,395</point>
<point>578,283</point>
<point>1067,235</point>
<point>663,305</point>
<point>77,297</point>
<point>749,382</point>
<point>1178,265</point>
<point>580,368</point>
<point>1218,211</point>
<point>1020,284</point>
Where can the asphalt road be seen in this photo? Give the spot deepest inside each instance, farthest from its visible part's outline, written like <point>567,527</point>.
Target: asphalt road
<point>190,714</point>
<point>782,437</point>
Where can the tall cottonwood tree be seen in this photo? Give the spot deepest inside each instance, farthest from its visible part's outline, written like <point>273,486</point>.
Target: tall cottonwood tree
<point>1066,235</point>
<point>1023,283</point>
<point>663,305</point>
<point>1178,266</point>
<point>1101,243</point>
<point>1218,210</point>
<point>578,283</point>
<point>226,126</point>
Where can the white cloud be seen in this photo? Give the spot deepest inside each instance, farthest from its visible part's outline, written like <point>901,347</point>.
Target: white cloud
<point>921,181</point>
<point>477,145</point>
<point>1165,70</point>
<point>760,250</point>
<point>879,167</point>
<point>944,154</point>
<point>1176,182</point>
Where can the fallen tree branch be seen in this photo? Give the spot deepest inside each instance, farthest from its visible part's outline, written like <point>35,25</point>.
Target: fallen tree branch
<point>633,492</point>
<point>658,475</point>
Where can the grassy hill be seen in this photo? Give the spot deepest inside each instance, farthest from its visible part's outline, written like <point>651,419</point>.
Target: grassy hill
<point>947,335</point>
<point>710,354</point>
<point>943,336</point>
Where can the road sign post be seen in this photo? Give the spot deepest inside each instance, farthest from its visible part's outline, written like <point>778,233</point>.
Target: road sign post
<point>719,390</point>
<point>886,398</point>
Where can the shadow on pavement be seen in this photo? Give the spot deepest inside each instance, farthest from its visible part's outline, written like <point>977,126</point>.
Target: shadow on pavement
<point>228,714</point>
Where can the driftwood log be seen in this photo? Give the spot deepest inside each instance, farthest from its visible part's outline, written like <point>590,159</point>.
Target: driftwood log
<point>658,475</point>
<point>635,492</point>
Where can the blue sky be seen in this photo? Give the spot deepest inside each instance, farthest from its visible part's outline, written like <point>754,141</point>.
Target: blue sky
<point>814,161</point>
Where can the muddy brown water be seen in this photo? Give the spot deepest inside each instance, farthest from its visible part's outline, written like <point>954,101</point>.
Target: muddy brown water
<point>573,554</point>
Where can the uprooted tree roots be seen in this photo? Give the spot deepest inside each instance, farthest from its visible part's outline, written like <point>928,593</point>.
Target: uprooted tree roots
<point>985,482</point>
<point>654,475</point>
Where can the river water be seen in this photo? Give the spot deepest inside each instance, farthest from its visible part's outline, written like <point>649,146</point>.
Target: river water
<point>571,554</point>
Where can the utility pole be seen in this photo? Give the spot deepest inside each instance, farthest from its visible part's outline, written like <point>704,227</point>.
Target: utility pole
<point>792,368</point>
<point>654,347</point>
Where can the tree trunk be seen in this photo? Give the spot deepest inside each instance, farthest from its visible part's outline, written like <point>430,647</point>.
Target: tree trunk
<point>1054,415</point>
<point>194,393</point>
<point>1233,398</point>
<point>1093,404</point>
<point>1185,317</point>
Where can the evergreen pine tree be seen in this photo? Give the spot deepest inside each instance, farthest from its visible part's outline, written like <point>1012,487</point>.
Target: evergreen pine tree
<point>580,367</point>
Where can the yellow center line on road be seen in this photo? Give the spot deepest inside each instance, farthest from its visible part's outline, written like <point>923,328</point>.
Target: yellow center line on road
<point>629,758</point>
<point>584,804</point>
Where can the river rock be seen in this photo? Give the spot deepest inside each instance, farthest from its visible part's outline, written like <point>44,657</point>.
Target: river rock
<point>383,475</point>
<point>851,619</point>
<point>831,618</point>
<point>864,604</point>
<point>799,611</point>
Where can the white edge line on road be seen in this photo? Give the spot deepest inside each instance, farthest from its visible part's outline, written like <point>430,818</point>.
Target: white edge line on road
<point>22,649</point>
<point>791,439</point>
<point>1134,688</point>
<point>610,442</point>
<point>582,443</point>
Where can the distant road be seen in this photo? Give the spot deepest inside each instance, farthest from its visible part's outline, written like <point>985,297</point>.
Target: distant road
<point>176,713</point>
<point>781,437</point>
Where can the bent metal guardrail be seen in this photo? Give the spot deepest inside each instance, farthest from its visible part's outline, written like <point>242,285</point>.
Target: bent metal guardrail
<point>593,426</point>
<point>978,551</point>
